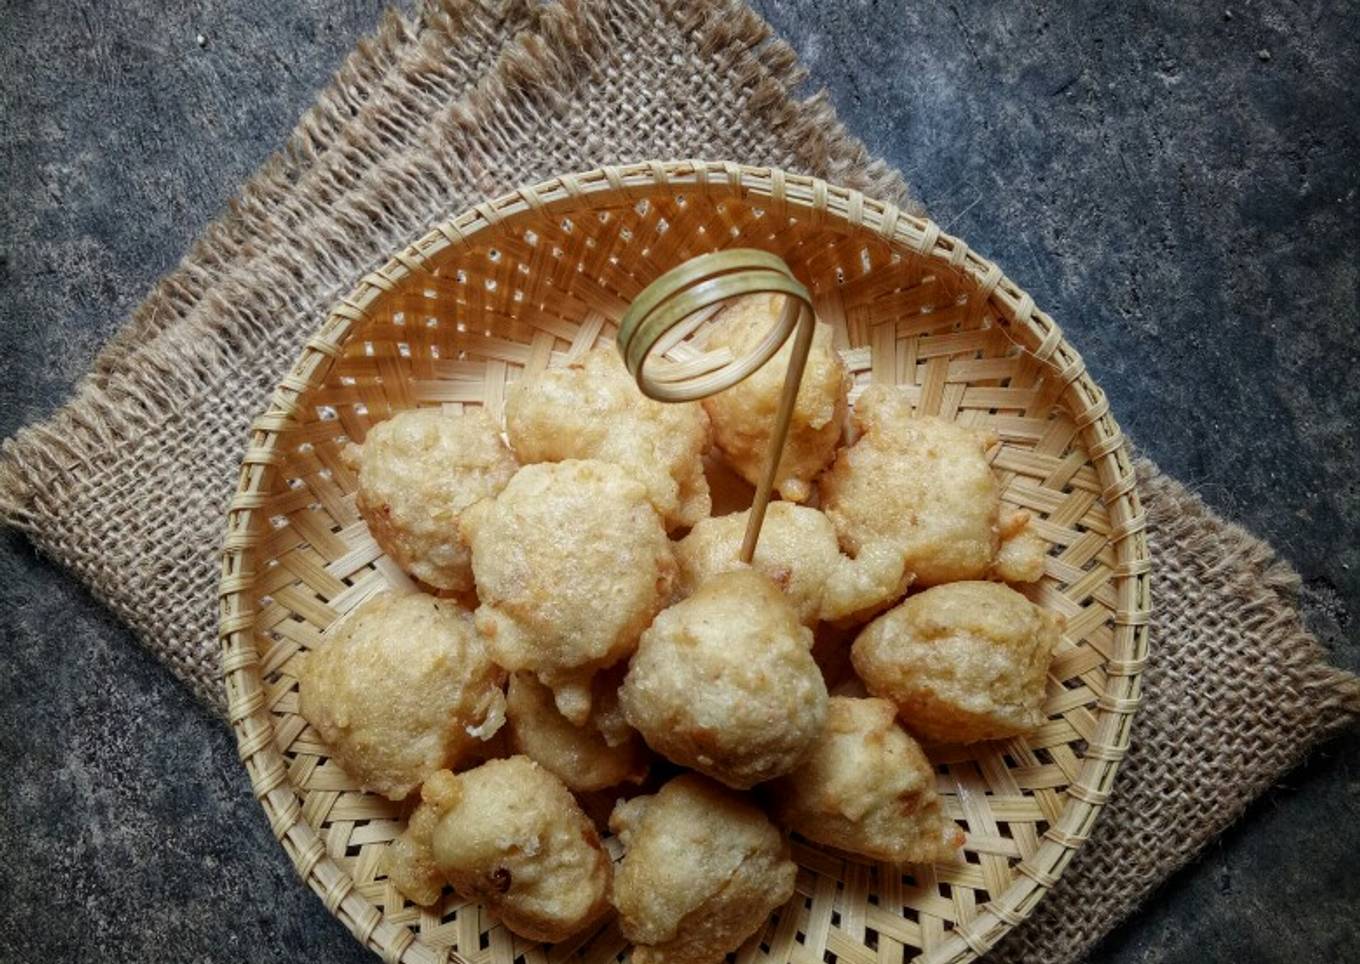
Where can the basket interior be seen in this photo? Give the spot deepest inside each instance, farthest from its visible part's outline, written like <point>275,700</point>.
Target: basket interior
<point>457,318</point>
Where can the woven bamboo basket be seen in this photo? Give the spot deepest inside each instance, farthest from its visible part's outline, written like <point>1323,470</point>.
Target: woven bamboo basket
<point>536,278</point>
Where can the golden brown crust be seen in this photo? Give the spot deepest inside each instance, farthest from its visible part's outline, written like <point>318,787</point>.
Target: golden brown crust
<point>867,788</point>
<point>701,871</point>
<point>571,563</point>
<point>512,836</point>
<point>400,688</point>
<point>592,409</point>
<point>799,553</point>
<point>409,861</point>
<point>962,662</point>
<point>744,414</point>
<point>1021,555</point>
<point>724,682</point>
<point>603,752</point>
<point>418,471</point>
<point>921,487</point>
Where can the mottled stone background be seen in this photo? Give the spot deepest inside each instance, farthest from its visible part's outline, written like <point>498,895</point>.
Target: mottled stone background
<point>1176,182</point>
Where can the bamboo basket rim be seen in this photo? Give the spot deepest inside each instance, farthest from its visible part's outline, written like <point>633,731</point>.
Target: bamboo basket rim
<point>1023,323</point>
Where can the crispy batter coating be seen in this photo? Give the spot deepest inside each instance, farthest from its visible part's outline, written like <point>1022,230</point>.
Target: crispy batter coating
<point>724,682</point>
<point>409,860</point>
<point>571,563</point>
<point>1021,555</point>
<point>921,487</point>
<point>511,835</point>
<point>701,871</point>
<point>798,551</point>
<point>592,409</point>
<point>867,788</point>
<point>400,688</point>
<point>603,752</point>
<point>743,415</point>
<point>418,471</point>
<point>963,662</point>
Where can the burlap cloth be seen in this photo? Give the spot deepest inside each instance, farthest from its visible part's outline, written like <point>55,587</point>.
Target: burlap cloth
<point>127,485</point>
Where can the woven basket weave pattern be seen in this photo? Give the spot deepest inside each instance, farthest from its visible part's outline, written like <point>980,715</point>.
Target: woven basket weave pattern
<point>538,277</point>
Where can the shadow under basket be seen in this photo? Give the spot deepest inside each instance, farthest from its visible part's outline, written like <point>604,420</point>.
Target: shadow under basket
<point>536,278</point>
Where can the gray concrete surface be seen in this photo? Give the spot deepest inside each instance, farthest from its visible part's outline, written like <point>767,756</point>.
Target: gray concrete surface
<point>1175,182</point>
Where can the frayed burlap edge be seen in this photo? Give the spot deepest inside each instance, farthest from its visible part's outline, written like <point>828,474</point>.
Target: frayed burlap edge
<point>158,359</point>
<point>1267,586</point>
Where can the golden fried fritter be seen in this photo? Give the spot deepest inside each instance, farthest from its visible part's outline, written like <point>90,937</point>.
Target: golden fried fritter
<point>702,869</point>
<point>418,471</point>
<point>867,788</point>
<point>592,409</point>
<point>400,688</point>
<point>571,563</point>
<point>922,487</point>
<point>724,682</point>
<point>603,752</point>
<point>962,662</point>
<point>743,415</point>
<point>798,552</point>
<point>512,836</point>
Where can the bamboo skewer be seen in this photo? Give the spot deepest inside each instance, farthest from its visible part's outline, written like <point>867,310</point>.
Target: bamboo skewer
<point>670,303</point>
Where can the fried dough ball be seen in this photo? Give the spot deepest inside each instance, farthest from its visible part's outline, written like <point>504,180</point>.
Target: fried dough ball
<point>701,871</point>
<point>592,409</point>
<point>922,487</point>
<point>603,752</point>
<point>571,563</point>
<point>418,471</point>
<point>962,662</point>
<point>797,550</point>
<point>400,688</point>
<point>743,415</point>
<point>512,836</point>
<point>409,860</point>
<point>867,788</point>
<point>725,683</point>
